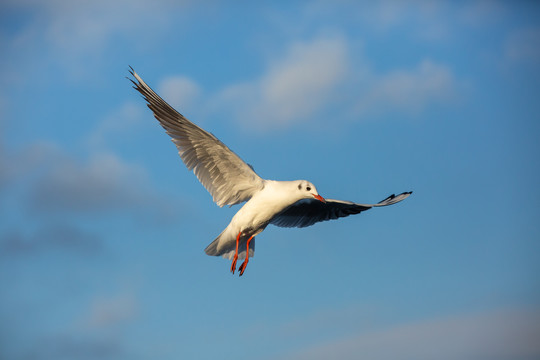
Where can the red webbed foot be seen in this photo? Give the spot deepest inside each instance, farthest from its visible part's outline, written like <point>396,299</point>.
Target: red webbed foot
<point>242,267</point>
<point>233,265</point>
<point>244,264</point>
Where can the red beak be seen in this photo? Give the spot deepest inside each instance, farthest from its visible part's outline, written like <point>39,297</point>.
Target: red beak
<point>319,197</point>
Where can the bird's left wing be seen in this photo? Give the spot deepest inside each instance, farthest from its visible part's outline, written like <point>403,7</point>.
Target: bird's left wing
<point>310,211</point>
<point>226,177</point>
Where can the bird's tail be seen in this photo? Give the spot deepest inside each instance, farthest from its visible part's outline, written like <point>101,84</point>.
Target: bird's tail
<point>225,245</point>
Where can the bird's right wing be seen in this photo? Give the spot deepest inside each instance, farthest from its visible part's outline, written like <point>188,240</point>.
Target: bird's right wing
<point>226,177</point>
<point>310,211</point>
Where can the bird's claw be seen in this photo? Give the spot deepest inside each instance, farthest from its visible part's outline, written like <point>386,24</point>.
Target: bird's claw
<point>233,265</point>
<point>242,268</point>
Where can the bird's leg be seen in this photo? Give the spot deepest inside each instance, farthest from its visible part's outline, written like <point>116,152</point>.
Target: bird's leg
<point>233,265</point>
<point>244,264</point>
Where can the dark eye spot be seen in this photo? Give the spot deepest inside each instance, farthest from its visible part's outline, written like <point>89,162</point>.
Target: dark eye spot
<point>308,188</point>
<point>299,186</point>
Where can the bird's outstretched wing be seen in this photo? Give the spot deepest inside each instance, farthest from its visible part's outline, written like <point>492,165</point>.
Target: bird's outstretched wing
<point>226,177</point>
<point>310,211</point>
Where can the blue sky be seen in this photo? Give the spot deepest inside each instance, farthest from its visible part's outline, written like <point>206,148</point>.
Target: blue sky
<point>102,228</point>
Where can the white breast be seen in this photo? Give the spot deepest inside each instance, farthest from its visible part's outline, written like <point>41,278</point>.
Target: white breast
<point>263,206</point>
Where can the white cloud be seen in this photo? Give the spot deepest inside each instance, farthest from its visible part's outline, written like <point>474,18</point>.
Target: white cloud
<point>76,35</point>
<point>179,91</point>
<point>64,237</point>
<point>314,76</point>
<point>108,311</point>
<point>480,13</point>
<point>71,346</point>
<point>14,165</point>
<point>504,334</point>
<point>98,332</point>
<point>120,123</point>
<point>296,85</point>
<point>523,46</point>
<point>293,87</point>
<point>103,182</point>
<point>54,181</point>
<point>86,26</point>
<point>407,90</point>
<point>427,21</point>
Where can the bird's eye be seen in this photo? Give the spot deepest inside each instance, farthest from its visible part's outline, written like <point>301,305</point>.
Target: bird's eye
<point>299,186</point>
<point>308,188</point>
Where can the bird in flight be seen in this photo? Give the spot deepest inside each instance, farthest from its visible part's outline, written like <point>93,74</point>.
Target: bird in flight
<point>231,181</point>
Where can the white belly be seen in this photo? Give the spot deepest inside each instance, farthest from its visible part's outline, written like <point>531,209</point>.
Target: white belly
<point>255,215</point>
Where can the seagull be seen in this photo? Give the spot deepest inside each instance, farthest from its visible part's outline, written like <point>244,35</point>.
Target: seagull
<point>231,181</point>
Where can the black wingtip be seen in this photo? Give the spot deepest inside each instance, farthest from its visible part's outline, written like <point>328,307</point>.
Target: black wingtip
<point>394,199</point>
<point>406,194</point>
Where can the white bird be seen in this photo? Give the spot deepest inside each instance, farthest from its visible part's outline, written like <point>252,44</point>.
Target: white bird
<point>231,181</point>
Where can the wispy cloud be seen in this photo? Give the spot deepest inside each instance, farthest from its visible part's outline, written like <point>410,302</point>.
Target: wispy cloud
<point>316,76</point>
<point>87,26</point>
<point>57,182</point>
<point>523,46</point>
<point>77,35</point>
<point>426,21</point>
<point>127,119</point>
<point>103,182</point>
<point>293,87</point>
<point>307,76</point>
<point>98,334</point>
<point>19,163</point>
<point>407,90</point>
<point>70,346</point>
<point>480,13</point>
<point>63,237</point>
<point>180,91</point>
<point>110,311</point>
<point>503,334</point>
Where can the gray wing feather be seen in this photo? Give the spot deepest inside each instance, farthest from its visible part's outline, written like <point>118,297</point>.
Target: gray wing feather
<point>226,177</point>
<point>310,211</point>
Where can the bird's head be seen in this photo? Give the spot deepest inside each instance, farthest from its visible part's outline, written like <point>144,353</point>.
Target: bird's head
<point>307,190</point>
